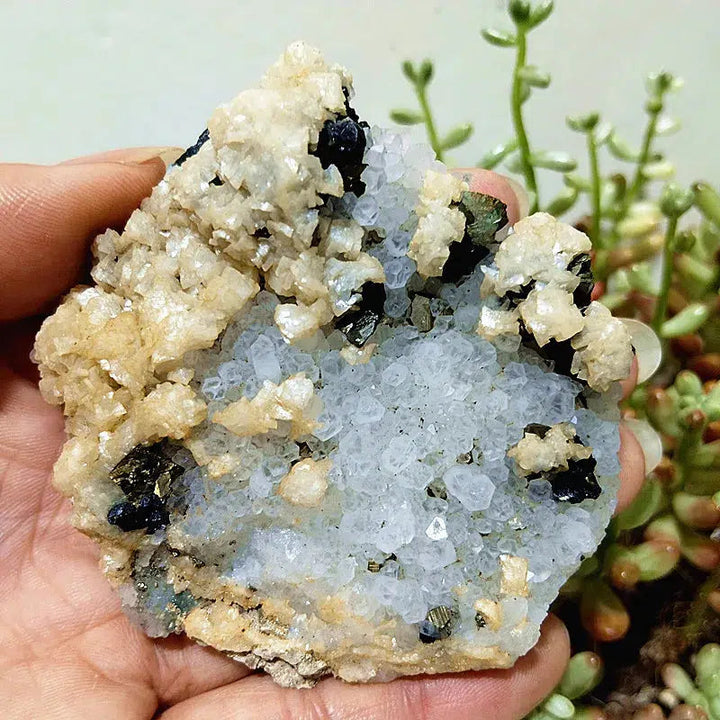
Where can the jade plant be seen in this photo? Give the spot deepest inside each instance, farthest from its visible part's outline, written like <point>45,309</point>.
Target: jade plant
<point>652,264</point>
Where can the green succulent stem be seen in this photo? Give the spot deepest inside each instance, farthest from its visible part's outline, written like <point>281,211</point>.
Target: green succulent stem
<point>667,274</point>
<point>639,180</point>
<point>596,180</point>
<point>519,122</point>
<point>421,92</point>
<point>654,109</point>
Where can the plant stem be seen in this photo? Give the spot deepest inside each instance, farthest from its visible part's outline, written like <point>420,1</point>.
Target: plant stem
<point>420,91</point>
<point>667,271</point>
<point>517,101</point>
<point>595,236</point>
<point>638,180</point>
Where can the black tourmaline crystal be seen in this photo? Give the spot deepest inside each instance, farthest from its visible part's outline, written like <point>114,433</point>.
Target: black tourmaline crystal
<point>581,265</point>
<point>359,323</point>
<point>144,475</point>
<point>148,513</point>
<point>577,483</point>
<point>537,429</point>
<point>342,143</point>
<point>194,149</point>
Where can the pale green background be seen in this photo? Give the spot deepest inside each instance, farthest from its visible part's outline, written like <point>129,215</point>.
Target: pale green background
<point>83,76</point>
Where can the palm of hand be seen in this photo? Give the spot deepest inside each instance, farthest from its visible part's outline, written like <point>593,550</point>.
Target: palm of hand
<point>66,648</point>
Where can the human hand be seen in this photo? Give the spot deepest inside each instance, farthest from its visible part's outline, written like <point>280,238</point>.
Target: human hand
<point>66,648</point>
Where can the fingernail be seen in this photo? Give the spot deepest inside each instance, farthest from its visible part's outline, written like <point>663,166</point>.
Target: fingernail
<point>521,194</point>
<point>648,349</point>
<point>131,156</point>
<point>649,441</point>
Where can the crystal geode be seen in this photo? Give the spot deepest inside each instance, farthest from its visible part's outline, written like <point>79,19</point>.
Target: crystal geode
<point>326,413</point>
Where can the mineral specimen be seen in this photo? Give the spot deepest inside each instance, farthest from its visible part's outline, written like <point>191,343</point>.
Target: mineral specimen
<point>321,414</point>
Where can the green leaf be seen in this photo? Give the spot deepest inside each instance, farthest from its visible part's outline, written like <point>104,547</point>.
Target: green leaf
<point>583,123</point>
<point>563,201</point>
<point>525,92</point>
<point>409,71</point>
<point>498,154</point>
<point>558,161</point>
<point>425,72</point>
<point>582,674</point>
<point>649,501</point>
<point>576,181</point>
<point>499,38</point>
<point>686,321</point>
<point>456,136</point>
<point>519,11</point>
<point>641,278</point>
<point>660,83</point>
<point>609,193</point>
<point>621,149</point>
<point>534,77</point>
<point>675,200</point>
<point>707,201</point>
<point>558,706</point>
<point>406,117</point>
<point>667,125</point>
<point>541,13</point>
<point>484,216</point>
<point>603,132</point>
<point>661,170</point>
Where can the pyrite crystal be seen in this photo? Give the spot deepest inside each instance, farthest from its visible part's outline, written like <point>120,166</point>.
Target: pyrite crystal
<point>324,412</point>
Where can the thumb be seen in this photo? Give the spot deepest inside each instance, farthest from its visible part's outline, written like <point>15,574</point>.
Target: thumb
<point>49,215</point>
<point>498,186</point>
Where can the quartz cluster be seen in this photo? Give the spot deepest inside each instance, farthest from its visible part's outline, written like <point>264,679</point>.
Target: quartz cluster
<point>326,412</point>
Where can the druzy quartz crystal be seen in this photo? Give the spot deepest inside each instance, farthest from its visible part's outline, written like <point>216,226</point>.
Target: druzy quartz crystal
<point>326,412</point>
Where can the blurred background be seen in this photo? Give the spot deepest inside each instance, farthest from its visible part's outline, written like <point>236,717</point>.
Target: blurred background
<point>84,76</point>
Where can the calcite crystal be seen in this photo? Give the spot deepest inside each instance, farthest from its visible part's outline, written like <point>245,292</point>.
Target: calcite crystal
<point>326,413</point>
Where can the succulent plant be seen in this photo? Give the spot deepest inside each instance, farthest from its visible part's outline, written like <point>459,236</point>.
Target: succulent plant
<point>698,698</point>
<point>582,675</point>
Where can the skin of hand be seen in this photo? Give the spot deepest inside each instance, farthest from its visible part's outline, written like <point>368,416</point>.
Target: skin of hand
<point>66,648</point>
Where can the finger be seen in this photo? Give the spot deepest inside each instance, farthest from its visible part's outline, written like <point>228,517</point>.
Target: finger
<point>184,669</point>
<point>497,186</point>
<point>629,383</point>
<point>49,215</point>
<point>632,473</point>
<point>496,695</point>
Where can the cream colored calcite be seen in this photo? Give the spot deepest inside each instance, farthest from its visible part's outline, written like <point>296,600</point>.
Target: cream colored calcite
<point>495,323</point>
<point>490,612</point>
<point>306,483</point>
<point>604,350</point>
<point>439,223</point>
<point>534,259</point>
<point>190,259</point>
<point>539,248</point>
<point>534,454</point>
<point>514,576</point>
<point>293,401</point>
<point>549,314</point>
<point>255,638</point>
<point>358,356</point>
